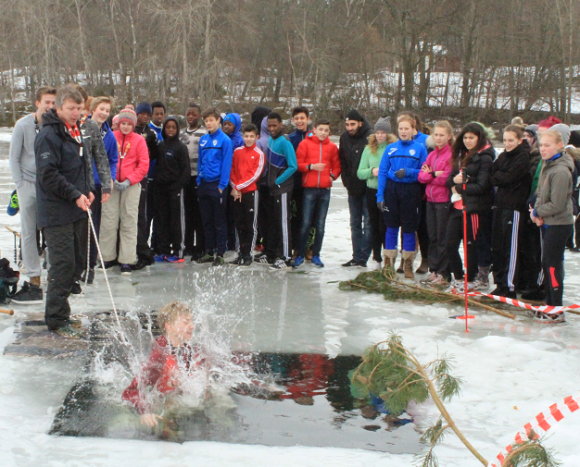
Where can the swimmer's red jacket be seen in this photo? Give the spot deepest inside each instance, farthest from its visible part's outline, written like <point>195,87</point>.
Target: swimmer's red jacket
<point>159,373</point>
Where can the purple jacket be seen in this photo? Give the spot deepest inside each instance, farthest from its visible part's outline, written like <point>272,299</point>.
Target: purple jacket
<point>436,189</point>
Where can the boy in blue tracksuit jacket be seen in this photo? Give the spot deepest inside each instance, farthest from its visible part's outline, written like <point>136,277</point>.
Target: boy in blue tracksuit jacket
<point>213,177</point>
<point>277,177</point>
<point>231,126</point>
<point>399,192</point>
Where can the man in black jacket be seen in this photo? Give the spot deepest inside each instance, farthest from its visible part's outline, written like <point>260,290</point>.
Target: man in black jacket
<point>352,143</point>
<point>64,185</point>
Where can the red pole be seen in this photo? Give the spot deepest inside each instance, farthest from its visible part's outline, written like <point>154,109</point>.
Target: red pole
<point>465,252</point>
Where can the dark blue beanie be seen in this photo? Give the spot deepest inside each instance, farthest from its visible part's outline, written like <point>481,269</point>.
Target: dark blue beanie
<point>144,107</point>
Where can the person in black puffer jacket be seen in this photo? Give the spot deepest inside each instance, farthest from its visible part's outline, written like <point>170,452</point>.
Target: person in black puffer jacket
<point>64,191</point>
<point>472,159</point>
<point>352,143</point>
<point>172,175</point>
<point>511,175</point>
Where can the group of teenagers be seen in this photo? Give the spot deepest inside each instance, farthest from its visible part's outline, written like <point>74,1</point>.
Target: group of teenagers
<point>514,211</point>
<point>158,194</point>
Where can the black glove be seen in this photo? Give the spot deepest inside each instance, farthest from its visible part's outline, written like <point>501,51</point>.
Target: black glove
<point>381,206</point>
<point>400,173</point>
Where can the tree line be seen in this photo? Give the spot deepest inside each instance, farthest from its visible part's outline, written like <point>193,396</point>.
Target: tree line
<point>332,55</point>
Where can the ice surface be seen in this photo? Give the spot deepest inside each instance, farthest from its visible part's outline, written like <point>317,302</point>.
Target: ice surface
<point>512,369</point>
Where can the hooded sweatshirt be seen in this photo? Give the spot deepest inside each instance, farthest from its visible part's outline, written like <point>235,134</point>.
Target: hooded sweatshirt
<point>408,155</point>
<point>247,167</point>
<point>173,165</point>
<point>313,151</point>
<point>22,161</point>
<point>436,188</point>
<point>258,115</point>
<point>510,173</point>
<point>262,142</point>
<point>554,202</point>
<point>63,174</point>
<point>236,136</point>
<point>133,157</point>
<point>350,151</point>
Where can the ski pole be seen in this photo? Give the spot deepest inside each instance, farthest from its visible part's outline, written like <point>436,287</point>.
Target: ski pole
<point>465,250</point>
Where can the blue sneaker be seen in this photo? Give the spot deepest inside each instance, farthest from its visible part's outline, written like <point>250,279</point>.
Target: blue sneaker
<point>159,258</point>
<point>13,206</point>
<point>299,261</point>
<point>316,261</point>
<point>174,259</point>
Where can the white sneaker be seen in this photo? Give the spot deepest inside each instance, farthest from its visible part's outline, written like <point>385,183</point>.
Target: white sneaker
<point>478,284</point>
<point>439,280</point>
<point>280,264</point>
<point>460,286</point>
<point>430,278</point>
<point>549,318</point>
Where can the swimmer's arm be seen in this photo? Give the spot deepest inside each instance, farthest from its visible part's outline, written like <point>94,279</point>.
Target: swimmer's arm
<point>150,419</point>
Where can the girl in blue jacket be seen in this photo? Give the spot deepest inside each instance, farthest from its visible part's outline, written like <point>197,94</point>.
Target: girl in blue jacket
<point>399,193</point>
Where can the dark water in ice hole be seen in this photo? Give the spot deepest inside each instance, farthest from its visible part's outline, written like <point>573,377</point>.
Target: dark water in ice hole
<point>317,408</point>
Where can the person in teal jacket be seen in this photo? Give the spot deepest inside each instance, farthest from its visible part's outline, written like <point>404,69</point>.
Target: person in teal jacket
<point>277,178</point>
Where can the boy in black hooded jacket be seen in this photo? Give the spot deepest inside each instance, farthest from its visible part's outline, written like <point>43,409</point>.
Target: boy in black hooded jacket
<point>172,174</point>
<point>510,173</point>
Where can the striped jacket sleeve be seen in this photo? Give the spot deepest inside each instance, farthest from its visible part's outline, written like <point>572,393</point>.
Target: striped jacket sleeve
<point>258,168</point>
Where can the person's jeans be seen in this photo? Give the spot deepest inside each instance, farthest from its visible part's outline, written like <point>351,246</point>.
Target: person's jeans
<point>360,228</point>
<point>315,204</point>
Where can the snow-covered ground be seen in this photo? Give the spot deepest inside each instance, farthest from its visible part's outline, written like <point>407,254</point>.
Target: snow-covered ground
<point>512,370</point>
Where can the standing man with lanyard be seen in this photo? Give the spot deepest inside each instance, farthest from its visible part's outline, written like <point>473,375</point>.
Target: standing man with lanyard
<point>23,169</point>
<point>64,186</point>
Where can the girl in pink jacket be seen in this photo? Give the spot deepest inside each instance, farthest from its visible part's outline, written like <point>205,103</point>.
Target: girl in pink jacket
<point>434,174</point>
<point>120,213</point>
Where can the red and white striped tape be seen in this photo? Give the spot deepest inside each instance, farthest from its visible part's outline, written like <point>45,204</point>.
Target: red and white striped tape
<point>512,301</point>
<point>542,423</point>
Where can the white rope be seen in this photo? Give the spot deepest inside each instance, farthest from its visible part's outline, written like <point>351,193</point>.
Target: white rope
<point>92,226</point>
<point>88,250</point>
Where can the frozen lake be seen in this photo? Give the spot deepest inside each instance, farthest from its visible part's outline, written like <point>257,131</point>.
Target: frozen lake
<point>512,370</point>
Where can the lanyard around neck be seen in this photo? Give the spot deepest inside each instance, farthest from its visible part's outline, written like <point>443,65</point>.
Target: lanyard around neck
<point>76,135</point>
<point>122,153</point>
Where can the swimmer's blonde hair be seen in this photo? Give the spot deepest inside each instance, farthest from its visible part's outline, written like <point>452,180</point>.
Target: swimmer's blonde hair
<point>170,312</point>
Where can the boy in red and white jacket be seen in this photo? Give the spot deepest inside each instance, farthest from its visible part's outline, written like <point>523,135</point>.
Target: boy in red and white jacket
<point>247,167</point>
<point>319,163</point>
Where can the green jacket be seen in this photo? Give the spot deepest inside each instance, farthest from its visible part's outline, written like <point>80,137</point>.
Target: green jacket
<point>370,161</point>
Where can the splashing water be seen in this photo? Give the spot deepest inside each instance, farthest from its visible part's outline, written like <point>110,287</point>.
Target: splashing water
<point>202,380</point>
